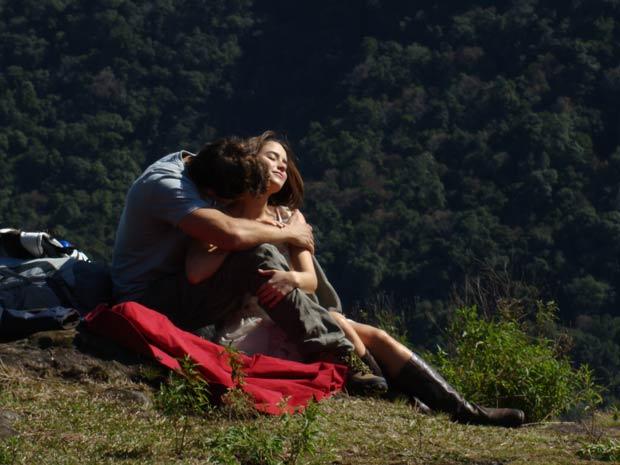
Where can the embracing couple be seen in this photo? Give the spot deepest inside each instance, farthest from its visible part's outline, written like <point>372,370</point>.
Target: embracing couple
<point>216,242</point>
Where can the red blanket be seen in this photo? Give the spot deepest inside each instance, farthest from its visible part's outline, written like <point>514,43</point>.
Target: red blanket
<point>276,385</point>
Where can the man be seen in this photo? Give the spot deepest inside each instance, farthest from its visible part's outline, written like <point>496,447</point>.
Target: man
<point>165,207</point>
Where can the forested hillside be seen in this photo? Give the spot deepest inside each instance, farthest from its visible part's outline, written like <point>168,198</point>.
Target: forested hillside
<point>441,141</point>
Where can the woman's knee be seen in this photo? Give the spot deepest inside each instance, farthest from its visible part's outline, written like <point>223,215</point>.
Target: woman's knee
<point>337,316</point>
<point>263,255</point>
<point>379,336</point>
<point>264,251</point>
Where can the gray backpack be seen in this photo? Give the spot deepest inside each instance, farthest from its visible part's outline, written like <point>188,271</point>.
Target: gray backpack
<point>50,282</point>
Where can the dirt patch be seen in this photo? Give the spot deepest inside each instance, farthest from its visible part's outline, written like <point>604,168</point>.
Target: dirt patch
<point>73,355</point>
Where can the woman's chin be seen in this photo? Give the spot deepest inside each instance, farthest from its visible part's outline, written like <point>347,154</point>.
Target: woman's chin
<point>275,187</point>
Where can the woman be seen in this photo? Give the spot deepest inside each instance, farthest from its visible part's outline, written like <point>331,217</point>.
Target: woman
<point>273,202</point>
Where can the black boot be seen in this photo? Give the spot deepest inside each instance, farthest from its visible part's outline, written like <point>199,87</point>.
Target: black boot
<point>392,384</point>
<point>420,406</point>
<point>420,380</point>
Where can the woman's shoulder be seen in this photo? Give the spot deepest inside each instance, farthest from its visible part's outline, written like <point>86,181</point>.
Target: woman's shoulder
<point>282,213</point>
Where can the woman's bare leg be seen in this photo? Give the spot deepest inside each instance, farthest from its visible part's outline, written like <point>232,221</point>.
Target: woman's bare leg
<point>415,377</point>
<point>365,383</point>
<point>349,332</point>
<point>390,353</point>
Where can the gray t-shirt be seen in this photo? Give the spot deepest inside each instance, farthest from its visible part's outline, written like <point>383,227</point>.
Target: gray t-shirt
<point>149,245</point>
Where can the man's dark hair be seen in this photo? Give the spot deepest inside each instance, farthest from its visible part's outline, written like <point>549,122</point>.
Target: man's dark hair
<point>228,169</point>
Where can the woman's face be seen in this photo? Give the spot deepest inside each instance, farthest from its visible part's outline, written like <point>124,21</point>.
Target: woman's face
<point>274,155</point>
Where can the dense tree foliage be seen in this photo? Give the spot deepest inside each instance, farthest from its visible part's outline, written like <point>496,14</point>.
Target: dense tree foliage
<point>438,139</point>
<point>91,91</point>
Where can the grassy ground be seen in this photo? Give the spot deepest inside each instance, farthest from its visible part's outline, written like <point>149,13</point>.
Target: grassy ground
<point>68,422</point>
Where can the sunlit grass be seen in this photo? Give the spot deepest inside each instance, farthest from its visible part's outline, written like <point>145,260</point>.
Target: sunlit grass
<point>62,422</point>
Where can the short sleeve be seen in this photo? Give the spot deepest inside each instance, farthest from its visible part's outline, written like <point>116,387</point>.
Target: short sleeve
<point>172,198</point>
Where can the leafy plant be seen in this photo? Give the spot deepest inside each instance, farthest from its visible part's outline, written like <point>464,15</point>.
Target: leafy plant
<point>181,396</point>
<point>295,436</point>
<point>607,450</point>
<point>236,365</point>
<point>8,451</point>
<point>303,432</point>
<point>496,363</point>
<point>237,403</point>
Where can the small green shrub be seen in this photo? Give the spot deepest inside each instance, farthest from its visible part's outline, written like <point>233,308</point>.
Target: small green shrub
<point>608,451</point>
<point>294,436</point>
<point>184,394</point>
<point>496,363</point>
<point>181,396</point>
<point>8,451</point>
<point>237,404</point>
<point>301,433</point>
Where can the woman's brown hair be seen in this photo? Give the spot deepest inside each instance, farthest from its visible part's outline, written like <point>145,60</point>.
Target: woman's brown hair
<point>292,193</point>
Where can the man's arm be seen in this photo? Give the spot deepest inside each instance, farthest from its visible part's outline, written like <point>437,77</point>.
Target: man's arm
<point>229,233</point>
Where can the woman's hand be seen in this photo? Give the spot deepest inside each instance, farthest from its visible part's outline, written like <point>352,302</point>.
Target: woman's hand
<point>280,283</point>
<point>271,222</point>
<point>300,232</point>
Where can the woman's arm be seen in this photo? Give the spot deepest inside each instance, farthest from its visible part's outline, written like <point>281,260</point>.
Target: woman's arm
<point>280,283</point>
<point>302,274</point>
<point>302,270</point>
<point>202,261</point>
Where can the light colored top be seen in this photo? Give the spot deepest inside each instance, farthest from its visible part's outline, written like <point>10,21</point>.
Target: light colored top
<point>250,329</point>
<point>149,244</point>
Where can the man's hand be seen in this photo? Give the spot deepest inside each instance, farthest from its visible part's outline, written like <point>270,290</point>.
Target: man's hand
<point>300,232</point>
<point>277,224</point>
<point>273,291</point>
